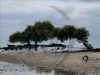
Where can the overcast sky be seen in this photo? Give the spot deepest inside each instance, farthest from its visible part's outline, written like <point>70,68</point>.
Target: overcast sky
<point>15,15</point>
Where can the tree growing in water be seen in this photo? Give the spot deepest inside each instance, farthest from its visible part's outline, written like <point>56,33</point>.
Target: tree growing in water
<point>71,32</point>
<point>42,31</point>
<point>45,30</point>
<point>39,32</point>
<point>82,36</point>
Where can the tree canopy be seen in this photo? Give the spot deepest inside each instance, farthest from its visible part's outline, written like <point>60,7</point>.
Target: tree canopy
<point>39,32</point>
<point>15,37</point>
<point>45,30</point>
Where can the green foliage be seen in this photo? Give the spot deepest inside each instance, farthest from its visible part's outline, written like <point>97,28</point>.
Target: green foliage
<point>58,33</point>
<point>15,37</point>
<point>69,31</point>
<point>37,33</point>
<point>45,30</point>
<point>27,34</point>
<point>81,34</point>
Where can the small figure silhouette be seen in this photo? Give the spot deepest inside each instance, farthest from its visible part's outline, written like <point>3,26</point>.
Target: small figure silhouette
<point>85,58</point>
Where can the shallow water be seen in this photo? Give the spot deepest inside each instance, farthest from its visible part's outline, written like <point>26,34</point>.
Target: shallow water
<point>19,69</point>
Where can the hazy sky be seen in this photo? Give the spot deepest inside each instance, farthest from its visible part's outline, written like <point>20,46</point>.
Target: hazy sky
<point>15,15</point>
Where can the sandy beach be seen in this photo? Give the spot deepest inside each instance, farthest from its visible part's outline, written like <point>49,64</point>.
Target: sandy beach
<point>64,61</point>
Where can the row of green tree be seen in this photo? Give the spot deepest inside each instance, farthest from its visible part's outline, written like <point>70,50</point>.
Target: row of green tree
<point>45,30</point>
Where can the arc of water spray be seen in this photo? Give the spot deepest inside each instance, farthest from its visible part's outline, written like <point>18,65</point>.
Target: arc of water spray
<point>64,15</point>
<point>62,58</point>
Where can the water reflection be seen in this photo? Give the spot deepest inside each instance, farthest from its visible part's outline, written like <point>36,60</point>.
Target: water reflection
<point>42,70</point>
<point>14,69</point>
<point>19,69</point>
<point>55,72</point>
<point>64,73</point>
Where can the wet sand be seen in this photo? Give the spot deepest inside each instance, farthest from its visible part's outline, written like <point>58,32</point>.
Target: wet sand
<point>60,61</point>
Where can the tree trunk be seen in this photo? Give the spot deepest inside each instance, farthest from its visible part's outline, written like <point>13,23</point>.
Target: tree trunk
<point>29,45</point>
<point>88,46</point>
<point>35,46</point>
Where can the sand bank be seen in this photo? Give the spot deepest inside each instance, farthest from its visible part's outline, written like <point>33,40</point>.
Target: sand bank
<point>65,61</point>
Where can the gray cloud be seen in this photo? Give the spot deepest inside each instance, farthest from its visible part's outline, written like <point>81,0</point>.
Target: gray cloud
<point>16,15</point>
<point>94,12</point>
<point>91,0</point>
<point>82,0</point>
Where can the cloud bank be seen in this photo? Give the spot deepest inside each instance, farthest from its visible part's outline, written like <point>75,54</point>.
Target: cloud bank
<point>15,15</point>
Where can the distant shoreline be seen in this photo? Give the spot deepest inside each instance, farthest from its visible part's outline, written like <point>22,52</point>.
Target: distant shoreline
<point>65,61</point>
